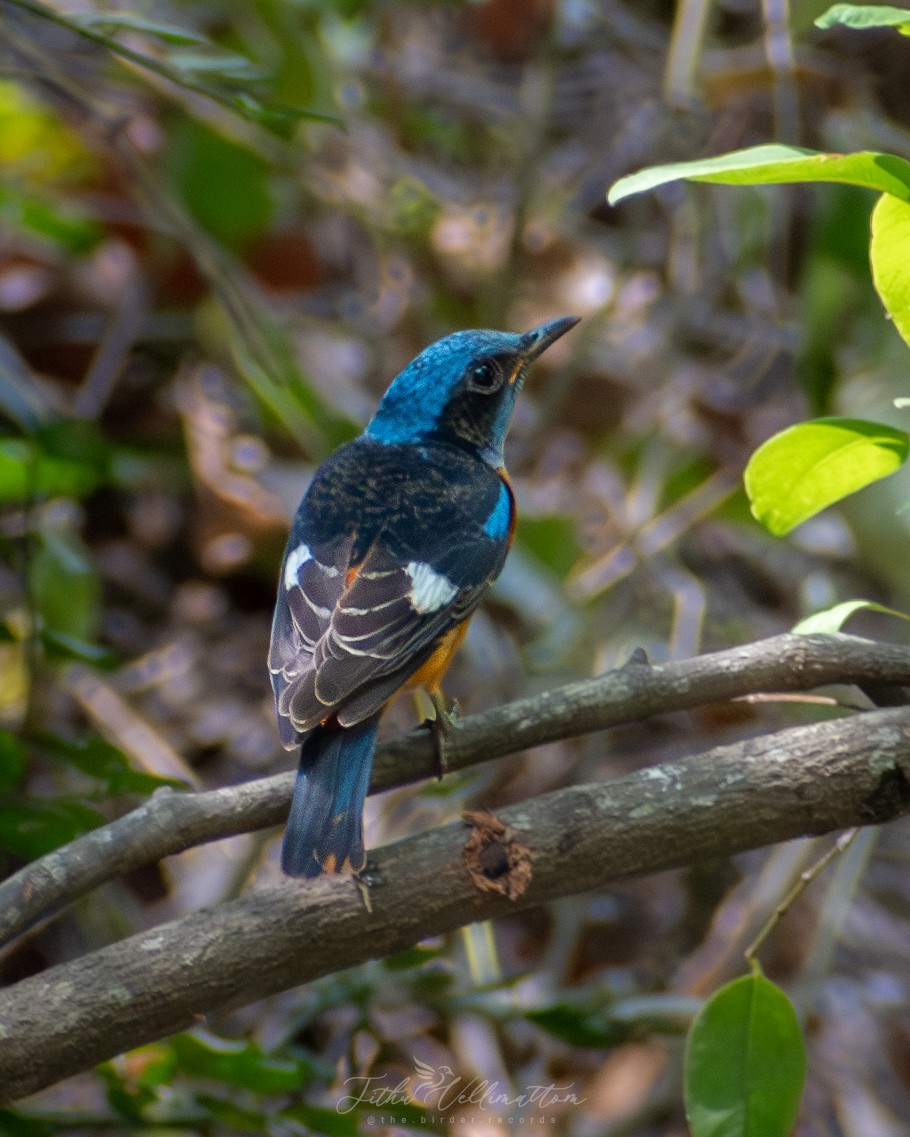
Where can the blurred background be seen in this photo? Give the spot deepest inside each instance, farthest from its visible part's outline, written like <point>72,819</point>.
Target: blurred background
<point>223,229</point>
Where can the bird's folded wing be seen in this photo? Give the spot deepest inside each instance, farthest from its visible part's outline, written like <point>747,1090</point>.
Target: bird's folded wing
<point>347,637</point>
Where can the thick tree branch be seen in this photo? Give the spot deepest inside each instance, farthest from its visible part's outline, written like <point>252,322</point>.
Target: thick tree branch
<point>171,822</point>
<point>806,780</point>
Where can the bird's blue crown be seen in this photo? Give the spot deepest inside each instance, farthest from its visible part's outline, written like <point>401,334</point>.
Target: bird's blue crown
<point>462,389</point>
<point>413,406</point>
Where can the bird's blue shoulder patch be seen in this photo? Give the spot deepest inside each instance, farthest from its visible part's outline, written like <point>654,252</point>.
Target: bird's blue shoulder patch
<point>497,525</point>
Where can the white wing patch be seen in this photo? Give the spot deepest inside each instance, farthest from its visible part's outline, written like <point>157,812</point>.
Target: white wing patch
<point>430,590</point>
<point>296,558</point>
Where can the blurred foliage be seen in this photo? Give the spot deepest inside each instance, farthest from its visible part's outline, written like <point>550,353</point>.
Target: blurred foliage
<point>223,228</point>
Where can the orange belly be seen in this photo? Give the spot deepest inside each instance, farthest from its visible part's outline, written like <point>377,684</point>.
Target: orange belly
<point>430,674</point>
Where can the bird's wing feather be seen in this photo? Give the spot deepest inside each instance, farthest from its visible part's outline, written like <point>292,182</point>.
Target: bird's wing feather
<point>312,581</point>
<point>345,638</point>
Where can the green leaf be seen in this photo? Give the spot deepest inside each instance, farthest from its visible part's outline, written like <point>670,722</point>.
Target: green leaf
<point>129,1095</point>
<point>64,458</point>
<point>773,165</point>
<point>123,21</point>
<point>860,16</point>
<point>150,1066</point>
<point>200,160</point>
<point>229,64</point>
<point>15,1124</point>
<point>552,540</point>
<point>833,619</point>
<point>578,1025</point>
<point>57,221</point>
<point>234,1118</point>
<point>411,958</point>
<point>97,758</point>
<point>239,1063</point>
<point>12,760</point>
<point>59,645</point>
<point>25,472</point>
<point>329,1121</point>
<point>31,829</point>
<point>65,586</point>
<point>889,253</point>
<point>745,1063</point>
<point>279,118</point>
<point>807,467</point>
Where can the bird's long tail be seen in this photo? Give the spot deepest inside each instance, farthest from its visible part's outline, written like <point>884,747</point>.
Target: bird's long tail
<point>325,828</point>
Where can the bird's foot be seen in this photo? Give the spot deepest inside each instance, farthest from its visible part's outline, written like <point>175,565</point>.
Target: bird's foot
<point>362,883</point>
<point>440,726</point>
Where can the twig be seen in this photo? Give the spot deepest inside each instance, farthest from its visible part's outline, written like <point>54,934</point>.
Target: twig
<point>805,879</point>
<point>228,100</point>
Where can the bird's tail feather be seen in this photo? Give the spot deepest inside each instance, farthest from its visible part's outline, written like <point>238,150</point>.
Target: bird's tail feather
<point>325,828</point>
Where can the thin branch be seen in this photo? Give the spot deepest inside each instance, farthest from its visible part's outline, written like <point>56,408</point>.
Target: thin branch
<point>228,99</point>
<point>806,877</point>
<point>171,822</point>
<point>806,780</point>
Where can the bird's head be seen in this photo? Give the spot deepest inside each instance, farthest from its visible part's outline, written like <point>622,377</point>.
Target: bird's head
<point>462,389</point>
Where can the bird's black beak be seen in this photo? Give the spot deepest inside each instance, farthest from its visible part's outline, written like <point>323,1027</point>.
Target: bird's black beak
<point>536,341</point>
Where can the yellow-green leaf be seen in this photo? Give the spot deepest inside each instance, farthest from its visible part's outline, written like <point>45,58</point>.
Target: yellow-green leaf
<point>833,619</point>
<point>775,164</point>
<point>890,256</point>
<point>865,16</point>
<point>804,469</point>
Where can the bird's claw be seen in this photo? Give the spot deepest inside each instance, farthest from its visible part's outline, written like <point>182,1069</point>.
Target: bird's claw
<point>362,883</point>
<point>440,726</point>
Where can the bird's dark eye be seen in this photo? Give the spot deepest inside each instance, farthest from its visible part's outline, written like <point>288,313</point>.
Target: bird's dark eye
<point>486,377</point>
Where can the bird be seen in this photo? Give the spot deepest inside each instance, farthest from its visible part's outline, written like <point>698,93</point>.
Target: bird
<point>398,536</point>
